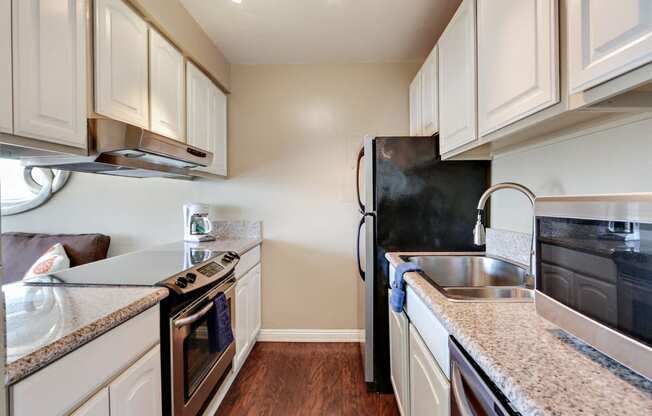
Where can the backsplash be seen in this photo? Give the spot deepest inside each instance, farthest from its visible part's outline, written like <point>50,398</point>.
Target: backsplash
<point>237,229</point>
<point>509,245</point>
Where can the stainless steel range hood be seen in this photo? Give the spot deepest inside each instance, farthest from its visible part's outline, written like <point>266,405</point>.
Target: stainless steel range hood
<point>117,148</point>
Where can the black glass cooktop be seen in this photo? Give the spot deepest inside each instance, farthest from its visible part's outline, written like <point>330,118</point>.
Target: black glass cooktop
<point>141,268</point>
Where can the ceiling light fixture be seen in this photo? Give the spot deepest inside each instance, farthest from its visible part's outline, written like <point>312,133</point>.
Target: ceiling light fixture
<point>237,1</point>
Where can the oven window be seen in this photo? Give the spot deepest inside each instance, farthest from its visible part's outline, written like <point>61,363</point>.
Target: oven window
<point>198,357</point>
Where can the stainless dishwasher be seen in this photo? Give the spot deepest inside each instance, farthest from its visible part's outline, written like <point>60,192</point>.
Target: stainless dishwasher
<point>472,394</point>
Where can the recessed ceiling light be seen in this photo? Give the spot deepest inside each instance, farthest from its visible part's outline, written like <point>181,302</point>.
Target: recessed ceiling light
<point>237,1</point>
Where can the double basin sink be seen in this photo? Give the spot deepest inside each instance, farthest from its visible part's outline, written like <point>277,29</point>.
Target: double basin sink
<point>473,278</point>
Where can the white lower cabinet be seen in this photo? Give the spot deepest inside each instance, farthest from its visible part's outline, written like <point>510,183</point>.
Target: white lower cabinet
<point>429,387</point>
<point>399,359</point>
<point>97,405</point>
<point>120,371</point>
<point>137,391</point>
<point>247,315</point>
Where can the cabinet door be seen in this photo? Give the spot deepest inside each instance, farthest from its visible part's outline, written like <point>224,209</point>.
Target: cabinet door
<point>242,316</point>
<point>517,75</point>
<point>415,105</point>
<point>121,74</point>
<point>457,80</point>
<point>6,105</point>
<point>429,387</point>
<point>399,359</point>
<point>137,391</point>
<point>49,70</point>
<point>254,305</point>
<point>167,83</point>
<point>429,95</point>
<point>217,131</point>
<point>198,107</point>
<point>98,405</point>
<point>606,39</point>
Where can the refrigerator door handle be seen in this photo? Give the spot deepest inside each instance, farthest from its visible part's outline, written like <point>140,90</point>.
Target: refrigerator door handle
<point>357,179</point>
<point>357,244</point>
<point>357,248</point>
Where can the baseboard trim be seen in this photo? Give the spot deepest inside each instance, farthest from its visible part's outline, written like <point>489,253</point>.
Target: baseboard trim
<point>311,335</point>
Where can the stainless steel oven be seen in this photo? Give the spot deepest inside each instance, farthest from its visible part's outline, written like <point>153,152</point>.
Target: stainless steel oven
<point>196,369</point>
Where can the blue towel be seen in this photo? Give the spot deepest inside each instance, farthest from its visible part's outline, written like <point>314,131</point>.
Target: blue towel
<point>397,299</point>
<point>220,333</point>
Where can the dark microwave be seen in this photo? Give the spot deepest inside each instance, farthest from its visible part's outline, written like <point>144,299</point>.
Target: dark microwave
<point>594,272</point>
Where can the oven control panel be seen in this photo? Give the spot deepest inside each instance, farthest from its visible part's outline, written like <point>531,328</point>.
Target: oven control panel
<point>207,272</point>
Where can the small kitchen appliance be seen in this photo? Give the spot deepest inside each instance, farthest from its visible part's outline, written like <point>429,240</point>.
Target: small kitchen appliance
<point>196,224</point>
<point>594,272</point>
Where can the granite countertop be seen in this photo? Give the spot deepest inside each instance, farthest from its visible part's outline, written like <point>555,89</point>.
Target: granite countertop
<point>45,323</point>
<point>540,369</point>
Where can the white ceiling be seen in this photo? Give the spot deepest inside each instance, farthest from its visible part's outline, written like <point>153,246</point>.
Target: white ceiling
<point>319,31</point>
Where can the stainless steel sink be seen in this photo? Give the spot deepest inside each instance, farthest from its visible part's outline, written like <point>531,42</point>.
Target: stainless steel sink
<point>476,278</point>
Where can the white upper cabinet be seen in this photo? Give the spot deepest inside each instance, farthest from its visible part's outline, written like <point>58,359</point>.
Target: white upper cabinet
<point>217,132</point>
<point>49,70</point>
<point>518,69</point>
<point>415,105</point>
<point>198,98</point>
<point>429,95</point>
<point>137,391</point>
<point>6,106</point>
<point>457,80</point>
<point>607,39</point>
<point>167,83</point>
<point>207,118</point>
<point>121,69</point>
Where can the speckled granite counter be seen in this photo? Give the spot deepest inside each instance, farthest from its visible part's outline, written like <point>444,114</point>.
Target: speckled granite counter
<point>541,369</point>
<point>46,323</point>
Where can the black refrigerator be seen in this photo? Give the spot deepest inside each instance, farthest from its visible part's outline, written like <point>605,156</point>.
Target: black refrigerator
<point>410,200</point>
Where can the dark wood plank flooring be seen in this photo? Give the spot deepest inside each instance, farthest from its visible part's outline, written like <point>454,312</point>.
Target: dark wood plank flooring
<point>282,378</point>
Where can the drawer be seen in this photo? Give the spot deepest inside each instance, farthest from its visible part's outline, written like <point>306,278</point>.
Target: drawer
<point>69,381</point>
<point>247,261</point>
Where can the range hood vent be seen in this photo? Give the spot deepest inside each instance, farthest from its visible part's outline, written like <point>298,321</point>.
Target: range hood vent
<point>117,148</point>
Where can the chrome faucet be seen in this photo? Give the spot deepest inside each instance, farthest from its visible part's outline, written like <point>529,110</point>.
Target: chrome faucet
<point>479,235</point>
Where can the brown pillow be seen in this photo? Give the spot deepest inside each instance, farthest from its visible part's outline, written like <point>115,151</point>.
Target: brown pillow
<point>21,250</point>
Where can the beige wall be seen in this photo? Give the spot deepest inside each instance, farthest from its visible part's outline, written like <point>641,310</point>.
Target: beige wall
<point>293,136</point>
<point>175,22</point>
<point>614,159</point>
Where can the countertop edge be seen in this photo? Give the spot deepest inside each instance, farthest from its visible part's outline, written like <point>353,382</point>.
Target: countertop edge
<point>36,360</point>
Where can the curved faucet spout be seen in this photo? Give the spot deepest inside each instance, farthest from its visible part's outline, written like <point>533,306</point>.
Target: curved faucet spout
<point>505,185</point>
<point>479,234</point>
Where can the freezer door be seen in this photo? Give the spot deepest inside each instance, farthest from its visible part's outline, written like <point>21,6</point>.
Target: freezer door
<point>369,298</point>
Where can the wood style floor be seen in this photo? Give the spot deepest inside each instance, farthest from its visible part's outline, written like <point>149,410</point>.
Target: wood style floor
<point>282,378</point>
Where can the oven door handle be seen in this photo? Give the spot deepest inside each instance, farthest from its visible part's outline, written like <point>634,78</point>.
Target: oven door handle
<point>194,317</point>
